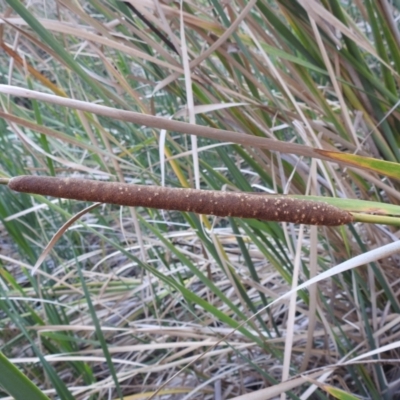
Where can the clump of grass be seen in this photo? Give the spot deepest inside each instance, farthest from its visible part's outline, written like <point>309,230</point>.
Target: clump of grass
<point>289,97</point>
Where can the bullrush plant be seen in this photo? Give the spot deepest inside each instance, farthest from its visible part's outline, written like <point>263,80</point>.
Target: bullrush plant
<point>219,203</point>
<point>254,148</point>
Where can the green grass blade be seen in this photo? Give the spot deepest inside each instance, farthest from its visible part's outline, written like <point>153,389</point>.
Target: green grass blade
<point>99,333</point>
<point>13,381</point>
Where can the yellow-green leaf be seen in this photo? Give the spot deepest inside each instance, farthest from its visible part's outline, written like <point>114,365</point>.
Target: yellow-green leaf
<point>387,168</point>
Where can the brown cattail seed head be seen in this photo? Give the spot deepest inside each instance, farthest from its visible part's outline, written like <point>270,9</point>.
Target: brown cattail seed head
<point>242,205</point>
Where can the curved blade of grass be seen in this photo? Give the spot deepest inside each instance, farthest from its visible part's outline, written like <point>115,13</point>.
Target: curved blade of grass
<point>338,393</point>
<point>335,392</point>
<point>362,259</point>
<point>16,383</point>
<point>58,235</point>
<point>387,168</point>
<point>378,272</point>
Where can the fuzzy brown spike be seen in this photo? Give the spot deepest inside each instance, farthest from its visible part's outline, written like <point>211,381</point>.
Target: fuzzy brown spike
<point>223,204</point>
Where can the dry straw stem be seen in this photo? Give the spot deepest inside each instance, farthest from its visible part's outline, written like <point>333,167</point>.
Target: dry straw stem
<point>223,204</point>
<point>178,126</point>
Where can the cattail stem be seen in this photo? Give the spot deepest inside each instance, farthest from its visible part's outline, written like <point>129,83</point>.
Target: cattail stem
<point>223,204</point>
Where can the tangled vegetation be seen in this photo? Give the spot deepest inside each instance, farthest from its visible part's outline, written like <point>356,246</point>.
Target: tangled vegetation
<point>296,98</point>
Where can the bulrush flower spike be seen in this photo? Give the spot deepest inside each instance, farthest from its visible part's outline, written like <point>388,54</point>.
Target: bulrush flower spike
<point>223,204</point>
